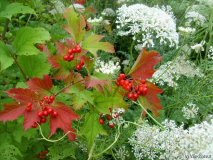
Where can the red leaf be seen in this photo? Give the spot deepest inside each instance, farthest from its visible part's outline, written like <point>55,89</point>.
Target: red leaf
<point>62,49</point>
<point>92,81</point>
<point>150,100</point>
<point>40,86</point>
<point>143,67</point>
<point>63,120</point>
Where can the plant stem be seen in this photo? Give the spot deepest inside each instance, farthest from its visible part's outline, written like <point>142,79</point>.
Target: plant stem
<point>68,86</point>
<point>18,65</point>
<point>91,151</point>
<point>5,29</point>
<point>150,115</point>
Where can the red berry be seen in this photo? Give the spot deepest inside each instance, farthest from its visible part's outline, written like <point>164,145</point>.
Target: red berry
<point>145,85</point>
<point>102,28</point>
<point>143,81</point>
<point>101,121</point>
<point>122,76</point>
<point>88,29</point>
<point>40,47</point>
<point>126,82</point>
<point>45,152</point>
<point>40,113</point>
<point>43,120</point>
<point>135,95</point>
<point>41,157</point>
<point>81,63</point>
<point>130,85</point>
<point>78,46</point>
<point>45,113</point>
<point>139,93</point>
<point>128,88</point>
<point>71,57</point>
<point>69,51</point>
<point>52,97</point>
<point>55,113</point>
<point>118,84</point>
<point>130,95</point>
<point>122,82</point>
<point>78,50</point>
<point>74,50</point>
<point>111,125</point>
<point>45,98</point>
<point>50,110</point>
<point>116,115</point>
<point>36,156</point>
<point>29,109</point>
<point>145,89</point>
<point>119,79</point>
<point>78,67</point>
<point>134,99</point>
<point>29,104</point>
<point>50,101</point>
<point>109,117</point>
<point>35,125</point>
<point>66,57</point>
<point>140,89</point>
<point>110,109</point>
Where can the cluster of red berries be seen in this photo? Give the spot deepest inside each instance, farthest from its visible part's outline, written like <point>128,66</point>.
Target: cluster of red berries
<point>109,117</point>
<point>70,56</point>
<point>42,155</point>
<point>40,47</point>
<point>136,88</point>
<point>46,110</point>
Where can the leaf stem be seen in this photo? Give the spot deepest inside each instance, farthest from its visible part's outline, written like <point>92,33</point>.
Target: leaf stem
<point>68,86</point>
<point>5,29</point>
<point>91,151</point>
<point>18,65</point>
<point>150,115</point>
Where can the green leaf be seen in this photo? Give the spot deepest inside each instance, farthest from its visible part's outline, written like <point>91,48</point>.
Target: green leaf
<point>25,39</point>
<point>92,128</point>
<point>5,138</point>
<point>45,127</point>
<point>18,133</point>
<point>76,24</point>
<point>62,150</point>
<point>21,85</point>
<point>5,58</point>
<point>92,45</point>
<point>9,152</point>
<point>34,65</point>
<point>15,8</point>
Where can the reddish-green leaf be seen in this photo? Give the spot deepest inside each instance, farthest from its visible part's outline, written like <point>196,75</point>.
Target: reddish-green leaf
<point>63,120</point>
<point>143,68</point>
<point>76,24</point>
<point>92,45</point>
<point>40,86</point>
<point>87,61</point>
<point>150,101</point>
<point>92,81</point>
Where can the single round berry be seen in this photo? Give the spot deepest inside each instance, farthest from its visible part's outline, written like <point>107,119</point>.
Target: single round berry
<point>110,109</point>
<point>101,121</point>
<point>52,97</point>
<point>109,117</point>
<point>130,85</point>
<point>69,51</point>
<point>45,152</point>
<point>141,89</point>
<point>119,79</point>
<point>43,120</point>
<point>50,101</point>
<point>81,63</point>
<point>29,109</point>
<point>111,125</point>
<point>122,75</point>
<point>40,113</point>
<point>143,81</point>
<point>45,113</point>
<point>130,95</point>
<point>118,84</point>
<point>116,115</point>
<point>45,98</point>
<point>40,47</point>
<point>145,89</point>
<point>78,67</point>
<point>71,57</point>
<point>139,93</point>
<point>135,95</point>
<point>41,157</point>
<point>78,50</point>
<point>122,82</point>
<point>35,125</point>
<point>145,85</point>
<point>66,57</point>
<point>55,113</point>
<point>50,110</point>
<point>126,82</point>
<point>128,88</point>
<point>29,104</point>
<point>74,50</point>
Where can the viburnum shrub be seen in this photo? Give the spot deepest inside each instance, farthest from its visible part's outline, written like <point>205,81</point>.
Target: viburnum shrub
<point>96,92</point>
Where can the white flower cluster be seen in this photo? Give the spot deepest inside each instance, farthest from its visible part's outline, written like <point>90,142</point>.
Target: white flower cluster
<point>180,67</point>
<point>58,7</point>
<point>107,68</point>
<point>155,23</point>
<point>108,12</point>
<point>190,111</point>
<point>198,47</point>
<point>208,2</point>
<point>186,30</point>
<point>95,20</point>
<point>173,143</point>
<point>210,53</point>
<point>124,1</point>
<point>122,153</point>
<point>193,16</point>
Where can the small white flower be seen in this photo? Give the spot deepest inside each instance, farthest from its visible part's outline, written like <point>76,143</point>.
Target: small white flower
<point>108,12</point>
<point>198,47</point>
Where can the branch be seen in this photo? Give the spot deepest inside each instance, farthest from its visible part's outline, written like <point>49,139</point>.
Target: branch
<point>18,65</point>
<point>68,86</point>
<point>5,29</point>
